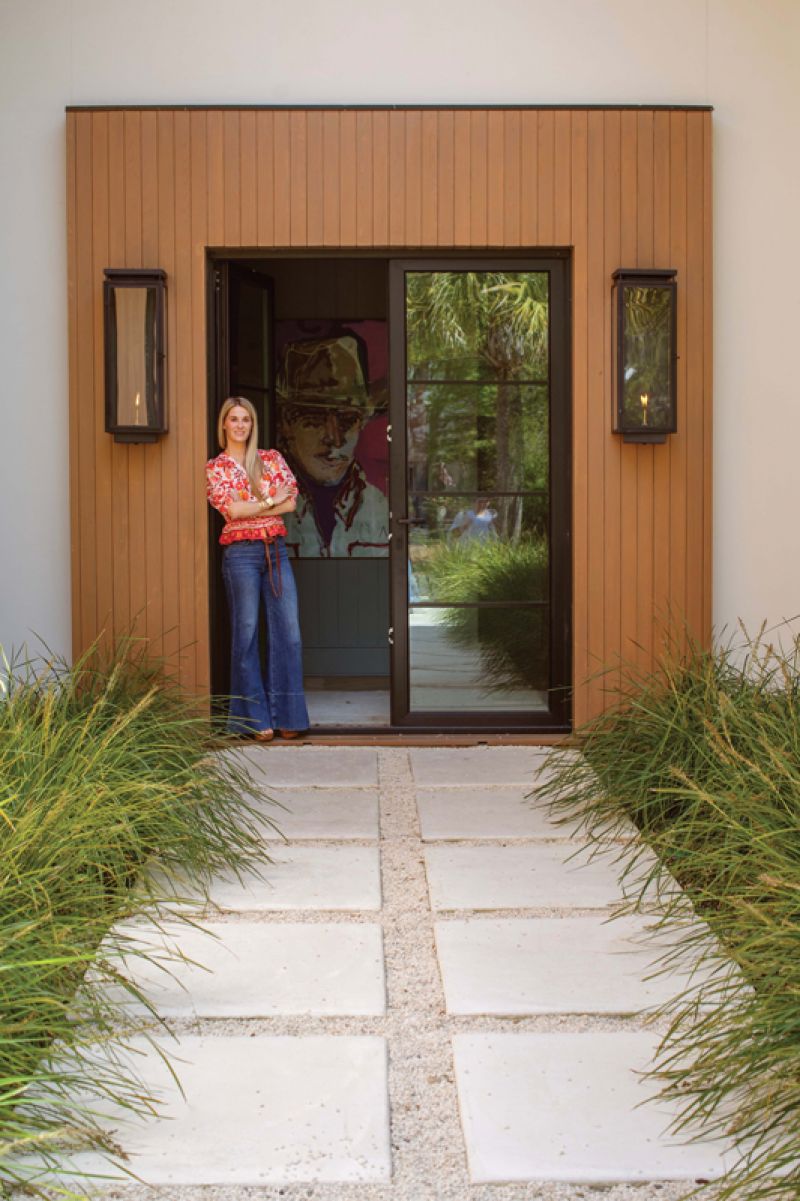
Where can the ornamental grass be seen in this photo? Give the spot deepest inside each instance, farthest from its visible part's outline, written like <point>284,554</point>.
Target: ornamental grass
<point>106,771</point>
<point>703,756</point>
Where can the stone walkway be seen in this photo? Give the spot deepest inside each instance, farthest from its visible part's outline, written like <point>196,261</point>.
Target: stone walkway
<point>421,1001</point>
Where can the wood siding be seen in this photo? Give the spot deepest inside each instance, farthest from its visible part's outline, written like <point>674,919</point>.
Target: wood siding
<point>621,188</point>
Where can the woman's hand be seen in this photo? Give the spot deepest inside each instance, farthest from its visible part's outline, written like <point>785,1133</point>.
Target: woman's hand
<point>282,499</point>
<point>281,494</point>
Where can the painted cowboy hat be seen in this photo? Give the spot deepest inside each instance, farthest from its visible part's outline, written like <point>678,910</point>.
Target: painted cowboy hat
<point>325,373</point>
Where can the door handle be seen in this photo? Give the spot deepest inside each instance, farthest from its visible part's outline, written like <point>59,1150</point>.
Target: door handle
<point>411,520</point>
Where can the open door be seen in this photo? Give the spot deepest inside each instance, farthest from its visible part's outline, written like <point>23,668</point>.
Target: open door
<point>480,494</point>
<point>241,310</point>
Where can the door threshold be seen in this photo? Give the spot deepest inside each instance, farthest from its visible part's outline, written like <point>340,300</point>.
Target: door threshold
<point>401,738</point>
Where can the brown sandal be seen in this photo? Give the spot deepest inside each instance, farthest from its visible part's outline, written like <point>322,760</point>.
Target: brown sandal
<point>289,733</point>
<point>264,735</point>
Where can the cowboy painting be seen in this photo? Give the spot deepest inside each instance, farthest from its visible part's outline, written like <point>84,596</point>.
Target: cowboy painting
<point>324,401</point>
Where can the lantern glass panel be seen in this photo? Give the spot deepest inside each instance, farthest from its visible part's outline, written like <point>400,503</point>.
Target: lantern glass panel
<point>136,358</point>
<point>647,355</point>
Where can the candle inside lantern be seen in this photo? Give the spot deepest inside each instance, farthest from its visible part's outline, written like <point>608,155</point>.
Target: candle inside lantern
<point>137,409</point>
<point>645,400</point>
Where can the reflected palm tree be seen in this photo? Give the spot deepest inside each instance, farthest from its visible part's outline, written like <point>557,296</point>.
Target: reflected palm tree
<point>493,326</point>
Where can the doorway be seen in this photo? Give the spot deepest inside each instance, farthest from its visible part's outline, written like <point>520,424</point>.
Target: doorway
<point>424,407</point>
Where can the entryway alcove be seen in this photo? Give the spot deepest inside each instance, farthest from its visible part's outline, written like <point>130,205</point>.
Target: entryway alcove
<point>423,198</point>
<point>427,422</point>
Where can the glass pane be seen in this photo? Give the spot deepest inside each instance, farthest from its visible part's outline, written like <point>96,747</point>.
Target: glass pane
<point>647,355</point>
<point>479,659</point>
<point>477,437</point>
<point>477,325</point>
<point>457,551</point>
<point>135,312</point>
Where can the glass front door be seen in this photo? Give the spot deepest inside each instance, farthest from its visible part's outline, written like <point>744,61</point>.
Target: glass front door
<point>480,495</point>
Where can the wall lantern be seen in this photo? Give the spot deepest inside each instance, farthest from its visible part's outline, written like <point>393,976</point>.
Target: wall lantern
<point>134,304</point>
<point>644,324</point>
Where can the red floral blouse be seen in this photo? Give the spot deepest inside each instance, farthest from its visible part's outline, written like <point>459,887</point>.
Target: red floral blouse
<point>227,481</point>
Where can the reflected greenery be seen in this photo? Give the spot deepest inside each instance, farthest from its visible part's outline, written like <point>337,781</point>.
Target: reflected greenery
<point>483,334</point>
<point>497,570</point>
<point>513,642</point>
<point>478,408</point>
<point>489,325</point>
<point>647,354</point>
<point>453,436</point>
<point>451,569</point>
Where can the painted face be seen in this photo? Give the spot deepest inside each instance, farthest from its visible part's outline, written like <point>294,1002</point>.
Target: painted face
<point>322,441</point>
<point>237,425</point>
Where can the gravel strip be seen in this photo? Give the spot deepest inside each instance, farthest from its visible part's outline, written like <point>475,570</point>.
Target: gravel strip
<point>430,1191</point>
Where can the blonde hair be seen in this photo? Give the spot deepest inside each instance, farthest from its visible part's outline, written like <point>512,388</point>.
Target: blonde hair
<point>252,462</point>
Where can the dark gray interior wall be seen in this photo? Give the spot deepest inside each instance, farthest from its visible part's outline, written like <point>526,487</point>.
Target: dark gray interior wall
<point>336,288</point>
<point>344,616</point>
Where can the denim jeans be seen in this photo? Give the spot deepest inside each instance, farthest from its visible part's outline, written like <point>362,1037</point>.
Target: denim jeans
<point>279,701</point>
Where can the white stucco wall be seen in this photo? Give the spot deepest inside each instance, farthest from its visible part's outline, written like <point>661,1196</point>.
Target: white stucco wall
<point>742,56</point>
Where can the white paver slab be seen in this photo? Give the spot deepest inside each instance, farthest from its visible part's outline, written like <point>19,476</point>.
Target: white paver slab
<point>306,878</point>
<point>484,813</point>
<point>254,969</point>
<point>568,1107</point>
<point>518,877</point>
<point>335,813</point>
<point>550,965</point>
<point>325,766</point>
<point>271,1109</point>
<point>453,766</point>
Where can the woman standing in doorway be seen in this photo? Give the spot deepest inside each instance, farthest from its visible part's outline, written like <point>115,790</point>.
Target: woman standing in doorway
<point>252,489</point>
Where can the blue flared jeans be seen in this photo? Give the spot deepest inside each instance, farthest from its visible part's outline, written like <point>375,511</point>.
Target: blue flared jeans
<point>251,581</point>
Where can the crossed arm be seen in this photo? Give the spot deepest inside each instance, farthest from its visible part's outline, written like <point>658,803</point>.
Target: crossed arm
<point>285,502</point>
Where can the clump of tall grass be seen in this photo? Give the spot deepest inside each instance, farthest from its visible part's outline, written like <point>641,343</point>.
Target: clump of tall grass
<point>105,769</point>
<point>704,757</point>
<point>513,642</point>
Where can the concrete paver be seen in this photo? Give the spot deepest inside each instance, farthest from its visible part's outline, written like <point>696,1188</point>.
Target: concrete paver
<point>572,965</point>
<point>518,877</point>
<point>569,1107</point>
<point>483,813</point>
<point>302,877</point>
<point>272,1109</point>
<point>324,813</point>
<point>467,766</point>
<point>253,969</point>
<point>298,766</point>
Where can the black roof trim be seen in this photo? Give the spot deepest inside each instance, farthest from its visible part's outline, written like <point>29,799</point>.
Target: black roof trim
<point>279,108</point>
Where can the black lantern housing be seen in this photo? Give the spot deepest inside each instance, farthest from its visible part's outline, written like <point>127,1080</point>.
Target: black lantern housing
<point>644,322</point>
<point>134,305</point>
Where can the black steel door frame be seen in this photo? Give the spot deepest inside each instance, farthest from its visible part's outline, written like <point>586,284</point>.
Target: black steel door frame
<point>224,381</point>
<point>558,717</point>
<point>558,263</point>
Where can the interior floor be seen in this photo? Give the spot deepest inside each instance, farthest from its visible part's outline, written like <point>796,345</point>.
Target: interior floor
<point>337,708</point>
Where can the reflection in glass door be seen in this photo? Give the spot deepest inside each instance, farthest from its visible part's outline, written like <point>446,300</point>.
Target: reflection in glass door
<point>480,527</point>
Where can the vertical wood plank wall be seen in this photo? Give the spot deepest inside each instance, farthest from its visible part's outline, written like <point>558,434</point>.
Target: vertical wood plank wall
<point>620,187</point>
